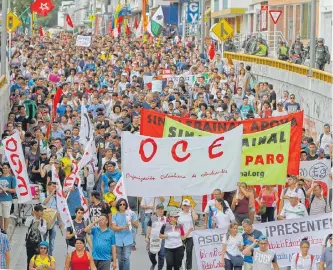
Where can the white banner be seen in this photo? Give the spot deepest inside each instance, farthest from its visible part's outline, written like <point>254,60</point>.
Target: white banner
<point>156,86</point>
<point>83,41</point>
<point>181,166</point>
<point>15,157</point>
<point>316,170</point>
<point>284,239</point>
<point>86,127</point>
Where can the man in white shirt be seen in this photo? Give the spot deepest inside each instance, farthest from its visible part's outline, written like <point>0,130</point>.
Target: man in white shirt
<point>148,204</point>
<point>280,110</point>
<point>325,139</point>
<point>292,187</point>
<point>294,209</point>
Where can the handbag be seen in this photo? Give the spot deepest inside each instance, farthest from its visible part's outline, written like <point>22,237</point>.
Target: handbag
<point>262,209</point>
<point>236,260</point>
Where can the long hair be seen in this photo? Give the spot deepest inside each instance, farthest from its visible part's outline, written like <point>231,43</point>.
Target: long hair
<point>232,224</point>
<point>224,206</point>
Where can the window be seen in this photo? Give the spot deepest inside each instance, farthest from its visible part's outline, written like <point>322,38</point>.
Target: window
<point>225,4</point>
<point>306,21</point>
<point>216,5</point>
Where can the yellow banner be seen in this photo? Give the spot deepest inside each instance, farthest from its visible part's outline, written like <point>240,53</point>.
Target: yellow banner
<point>264,154</point>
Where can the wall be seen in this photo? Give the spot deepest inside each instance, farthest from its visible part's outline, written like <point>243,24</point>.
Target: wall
<point>314,96</point>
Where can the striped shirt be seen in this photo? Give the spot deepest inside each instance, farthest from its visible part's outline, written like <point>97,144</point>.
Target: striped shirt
<point>4,247</point>
<point>318,206</point>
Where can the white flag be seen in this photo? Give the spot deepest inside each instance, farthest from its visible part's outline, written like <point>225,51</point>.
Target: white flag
<point>14,153</point>
<point>89,153</point>
<point>72,177</point>
<point>115,32</point>
<point>86,127</point>
<point>119,190</point>
<point>139,30</point>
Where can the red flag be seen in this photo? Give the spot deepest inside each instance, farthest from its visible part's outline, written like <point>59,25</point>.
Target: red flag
<point>136,24</point>
<point>128,31</point>
<point>56,100</point>
<point>211,52</point>
<point>41,34</point>
<point>119,29</point>
<point>69,21</point>
<point>42,7</point>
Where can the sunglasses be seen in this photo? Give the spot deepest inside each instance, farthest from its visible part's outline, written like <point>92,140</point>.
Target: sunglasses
<point>122,204</point>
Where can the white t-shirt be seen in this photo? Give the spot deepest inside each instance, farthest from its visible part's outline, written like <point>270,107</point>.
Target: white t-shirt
<point>233,244</point>
<point>292,212</point>
<point>186,220</point>
<point>299,192</point>
<point>303,263</point>
<point>326,141</point>
<point>277,113</point>
<point>223,220</point>
<point>149,201</point>
<point>211,203</point>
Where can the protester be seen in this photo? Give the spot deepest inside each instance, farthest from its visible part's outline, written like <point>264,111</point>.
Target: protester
<point>122,224</point>
<point>210,208</point>
<point>148,205</point>
<point>37,228</point>
<point>241,202</point>
<point>268,199</point>
<point>318,203</point>
<point>4,251</point>
<point>232,246</point>
<point>173,234</point>
<point>263,257</point>
<point>103,243</point>
<point>98,207</point>
<point>187,219</point>
<point>294,209</point>
<point>152,236</point>
<point>7,189</point>
<point>42,260</point>
<point>223,215</point>
<point>326,256</point>
<point>79,259</point>
<point>303,260</point>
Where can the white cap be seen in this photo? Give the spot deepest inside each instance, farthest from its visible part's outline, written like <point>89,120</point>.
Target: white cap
<point>293,194</point>
<point>186,202</point>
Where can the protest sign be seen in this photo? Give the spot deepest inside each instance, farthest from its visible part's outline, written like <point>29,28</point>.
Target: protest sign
<point>264,153</point>
<point>186,166</point>
<point>156,86</point>
<point>152,124</point>
<point>284,239</point>
<point>15,157</point>
<point>208,248</point>
<point>316,169</point>
<point>83,41</point>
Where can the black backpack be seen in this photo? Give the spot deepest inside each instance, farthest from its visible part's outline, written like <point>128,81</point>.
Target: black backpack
<point>321,137</point>
<point>31,239</point>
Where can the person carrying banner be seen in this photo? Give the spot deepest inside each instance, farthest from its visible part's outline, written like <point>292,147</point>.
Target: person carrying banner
<point>187,218</point>
<point>240,203</point>
<point>173,234</point>
<point>303,260</point>
<point>148,205</point>
<point>249,237</point>
<point>263,257</point>
<point>294,209</point>
<point>210,208</point>
<point>268,198</point>
<point>232,246</point>
<point>154,226</point>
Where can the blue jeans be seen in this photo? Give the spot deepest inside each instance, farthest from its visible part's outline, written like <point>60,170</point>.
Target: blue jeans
<point>51,233</point>
<point>161,255</point>
<point>146,219</point>
<point>134,236</point>
<point>123,254</point>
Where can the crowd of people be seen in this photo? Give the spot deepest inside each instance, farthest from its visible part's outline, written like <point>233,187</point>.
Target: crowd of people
<point>108,79</point>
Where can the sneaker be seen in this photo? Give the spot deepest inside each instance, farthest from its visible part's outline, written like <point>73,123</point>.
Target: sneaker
<point>133,248</point>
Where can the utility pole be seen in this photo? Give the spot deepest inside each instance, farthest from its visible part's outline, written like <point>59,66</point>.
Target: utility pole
<point>313,37</point>
<point>202,41</point>
<point>4,37</point>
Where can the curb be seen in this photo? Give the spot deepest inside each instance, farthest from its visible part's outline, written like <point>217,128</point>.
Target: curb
<point>11,228</point>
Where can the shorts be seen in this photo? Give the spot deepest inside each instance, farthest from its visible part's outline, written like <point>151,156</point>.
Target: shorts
<point>248,266</point>
<point>5,207</point>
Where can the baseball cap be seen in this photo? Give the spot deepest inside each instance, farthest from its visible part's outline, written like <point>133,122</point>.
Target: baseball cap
<point>159,206</point>
<point>186,202</point>
<point>263,237</point>
<point>320,151</point>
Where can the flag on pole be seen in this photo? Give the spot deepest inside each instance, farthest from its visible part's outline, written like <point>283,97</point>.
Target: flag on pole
<point>211,51</point>
<point>69,21</point>
<point>139,30</point>
<point>136,24</point>
<point>56,100</point>
<point>116,14</point>
<point>86,127</point>
<point>42,7</point>
<point>156,23</point>
<point>128,31</point>
<point>41,34</point>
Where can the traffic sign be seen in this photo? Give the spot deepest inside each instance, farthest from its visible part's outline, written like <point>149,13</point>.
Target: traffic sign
<point>223,30</point>
<point>275,15</point>
<point>92,17</point>
<point>12,21</point>
<point>193,12</point>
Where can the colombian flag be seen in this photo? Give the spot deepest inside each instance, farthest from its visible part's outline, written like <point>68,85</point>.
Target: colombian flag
<point>116,14</point>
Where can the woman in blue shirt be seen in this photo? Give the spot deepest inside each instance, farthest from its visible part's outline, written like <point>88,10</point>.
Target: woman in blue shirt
<point>122,223</point>
<point>7,187</point>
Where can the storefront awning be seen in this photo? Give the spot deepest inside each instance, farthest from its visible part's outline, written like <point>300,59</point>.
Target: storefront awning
<point>228,13</point>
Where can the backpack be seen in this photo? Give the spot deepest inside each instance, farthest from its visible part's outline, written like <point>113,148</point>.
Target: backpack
<point>311,200</point>
<point>311,256</point>
<point>321,137</point>
<point>32,239</point>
